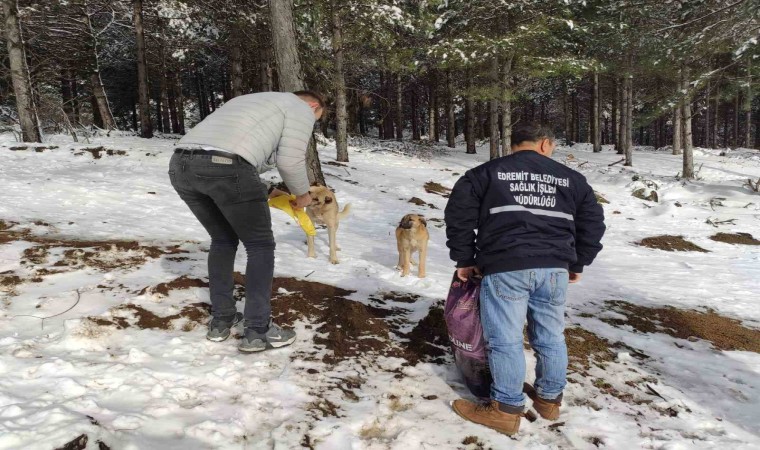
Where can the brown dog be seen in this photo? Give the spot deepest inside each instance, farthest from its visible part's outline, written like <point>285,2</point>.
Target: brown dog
<point>324,210</point>
<point>412,235</point>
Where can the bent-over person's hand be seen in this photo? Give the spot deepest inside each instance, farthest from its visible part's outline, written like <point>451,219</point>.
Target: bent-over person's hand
<point>301,202</point>
<point>465,273</point>
<point>575,277</point>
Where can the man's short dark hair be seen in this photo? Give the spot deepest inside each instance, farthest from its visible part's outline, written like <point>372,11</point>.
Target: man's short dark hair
<point>312,96</point>
<point>531,132</point>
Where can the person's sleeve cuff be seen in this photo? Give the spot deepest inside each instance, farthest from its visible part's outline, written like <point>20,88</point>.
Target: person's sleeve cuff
<point>465,263</point>
<point>576,268</point>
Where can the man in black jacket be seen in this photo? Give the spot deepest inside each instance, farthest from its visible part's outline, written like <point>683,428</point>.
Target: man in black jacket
<point>529,225</point>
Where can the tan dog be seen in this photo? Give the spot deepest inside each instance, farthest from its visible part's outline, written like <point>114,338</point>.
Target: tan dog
<point>324,210</point>
<point>411,236</point>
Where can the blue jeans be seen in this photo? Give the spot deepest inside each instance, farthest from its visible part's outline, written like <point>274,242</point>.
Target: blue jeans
<point>506,300</point>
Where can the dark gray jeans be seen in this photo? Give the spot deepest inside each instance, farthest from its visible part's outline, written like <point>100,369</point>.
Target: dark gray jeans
<point>230,201</point>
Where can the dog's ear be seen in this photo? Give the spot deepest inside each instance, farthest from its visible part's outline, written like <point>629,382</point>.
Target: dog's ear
<point>424,222</point>
<point>328,200</point>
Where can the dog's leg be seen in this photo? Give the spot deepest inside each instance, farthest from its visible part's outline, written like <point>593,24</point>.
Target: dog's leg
<point>310,242</point>
<point>407,255</point>
<point>400,264</point>
<point>423,259</point>
<point>332,232</point>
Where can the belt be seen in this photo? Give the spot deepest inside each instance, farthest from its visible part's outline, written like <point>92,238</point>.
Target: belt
<point>211,153</point>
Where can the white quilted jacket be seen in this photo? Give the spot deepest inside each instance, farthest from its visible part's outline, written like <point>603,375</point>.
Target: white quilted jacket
<point>268,129</point>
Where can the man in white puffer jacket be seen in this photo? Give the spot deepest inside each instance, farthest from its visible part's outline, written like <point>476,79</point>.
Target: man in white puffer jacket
<point>215,170</point>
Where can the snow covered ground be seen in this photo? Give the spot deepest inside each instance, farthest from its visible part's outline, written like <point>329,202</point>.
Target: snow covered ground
<point>119,370</point>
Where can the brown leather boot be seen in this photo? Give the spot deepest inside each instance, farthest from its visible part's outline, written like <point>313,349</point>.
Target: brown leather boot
<point>548,409</point>
<point>489,415</point>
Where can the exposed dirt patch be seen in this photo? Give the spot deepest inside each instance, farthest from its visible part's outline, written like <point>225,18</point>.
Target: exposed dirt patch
<point>735,238</point>
<point>475,442</point>
<point>6,225</point>
<point>36,255</point>
<point>420,202</point>
<point>183,282</point>
<point>723,332</point>
<point>429,340</point>
<point>97,152</point>
<point>8,282</point>
<point>351,328</point>
<point>348,328</point>
<point>131,315</point>
<point>401,297</point>
<point>431,187</point>
<point>103,255</point>
<point>671,244</point>
<point>600,198</point>
<point>78,443</point>
<point>584,348</point>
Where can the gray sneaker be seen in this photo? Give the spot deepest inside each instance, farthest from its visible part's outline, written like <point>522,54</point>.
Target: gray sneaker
<point>219,329</point>
<point>275,337</point>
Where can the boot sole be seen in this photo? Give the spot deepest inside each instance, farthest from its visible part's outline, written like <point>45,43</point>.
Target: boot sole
<point>218,339</point>
<point>482,425</point>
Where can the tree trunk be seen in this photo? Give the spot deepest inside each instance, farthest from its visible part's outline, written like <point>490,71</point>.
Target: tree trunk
<point>164,92</point>
<point>75,98</point>
<point>432,110</point>
<point>615,131</point>
<point>716,111</point>
<point>628,120</point>
<point>289,69</point>
<point>159,116</point>
<point>96,119</point>
<point>506,107</point>
<point>180,102</point>
<point>677,130</point>
<point>173,116</point>
<point>98,90</point>
<point>66,98</point>
<point>596,131</point>
<point>202,107</point>
<point>399,109</point>
<point>748,107</point>
<point>415,115</point>
<point>388,117</point>
<point>135,125</point>
<point>735,134</point>
<point>469,113</point>
<point>22,85</point>
<point>450,115</point>
<point>265,72</point>
<point>623,110</point>
<point>573,118</point>
<point>236,69</point>
<point>566,117</point>
<point>688,154</point>
<point>708,115</point>
<point>493,110</point>
<point>341,137</point>
<point>146,127</point>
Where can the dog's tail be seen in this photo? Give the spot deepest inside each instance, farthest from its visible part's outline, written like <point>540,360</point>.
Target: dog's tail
<point>346,210</point>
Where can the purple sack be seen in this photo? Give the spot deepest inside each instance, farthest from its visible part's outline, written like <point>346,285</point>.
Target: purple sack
<point>462,314</point>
